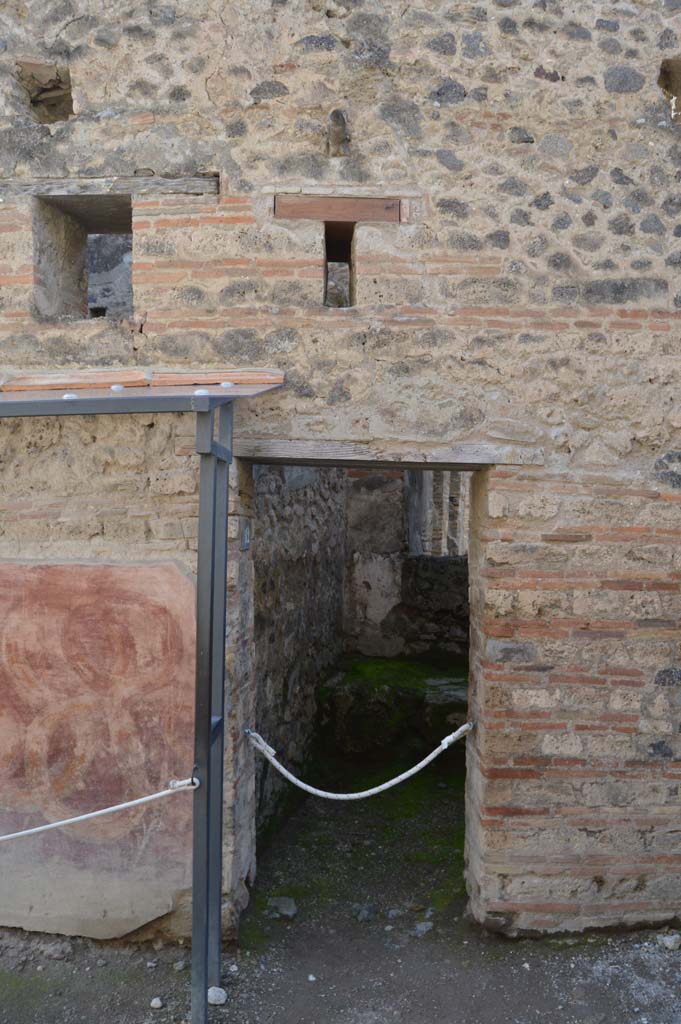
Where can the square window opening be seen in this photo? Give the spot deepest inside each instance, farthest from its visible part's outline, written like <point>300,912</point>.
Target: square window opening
<point>83,256</point>
<point>339,284</point>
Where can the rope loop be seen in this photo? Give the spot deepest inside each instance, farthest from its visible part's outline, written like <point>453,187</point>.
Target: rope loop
<point>266,750</point>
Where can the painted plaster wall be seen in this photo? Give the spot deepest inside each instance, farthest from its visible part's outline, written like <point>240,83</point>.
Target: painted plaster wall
<point>94,713</point>
<point>118,497</point>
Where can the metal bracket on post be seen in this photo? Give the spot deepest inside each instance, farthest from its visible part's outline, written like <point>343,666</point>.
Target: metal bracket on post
<point>209,730</point>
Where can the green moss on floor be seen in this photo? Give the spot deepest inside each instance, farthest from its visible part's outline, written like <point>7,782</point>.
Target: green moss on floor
<point>376,708</point>
<point>253,934</point>
<point>431,814</point>
<point>404,673</point>
<point>23,991</point>
<point>401,849</point>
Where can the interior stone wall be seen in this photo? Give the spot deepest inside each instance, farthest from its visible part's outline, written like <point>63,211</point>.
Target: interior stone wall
<point>109,274</point>
<point>528,298</point>
<point>432,614</point>
<point>402,595</point>
<point>59,251</point>
<point>299,535</point>
<point>376,549</point>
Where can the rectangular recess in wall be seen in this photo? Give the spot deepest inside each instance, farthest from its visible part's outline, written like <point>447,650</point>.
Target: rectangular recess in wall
<point>338,209</point>
<point>339,284</point>
<point>79,267</point>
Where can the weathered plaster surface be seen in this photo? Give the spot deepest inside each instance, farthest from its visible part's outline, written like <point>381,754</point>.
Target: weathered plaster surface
<point>530,297</point>
<point>96,668</point>
<point>403,595</point>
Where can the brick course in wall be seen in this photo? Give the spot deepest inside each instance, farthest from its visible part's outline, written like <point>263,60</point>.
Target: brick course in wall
<point>528,297</point>
<point>576,757</point>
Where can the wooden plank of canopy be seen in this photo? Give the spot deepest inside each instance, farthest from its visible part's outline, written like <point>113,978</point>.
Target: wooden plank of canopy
<point>77,380</point>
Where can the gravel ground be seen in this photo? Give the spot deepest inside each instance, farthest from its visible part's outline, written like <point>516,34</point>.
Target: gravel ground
<point>379,937</point>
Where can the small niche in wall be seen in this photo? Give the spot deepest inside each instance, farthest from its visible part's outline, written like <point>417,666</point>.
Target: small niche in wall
<point>49,90</point>
<point>339,214</point>
<point>338,277</point>
<point>82,248</point>
<point>669,81</point>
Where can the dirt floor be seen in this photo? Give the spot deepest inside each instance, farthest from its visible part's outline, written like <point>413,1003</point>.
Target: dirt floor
<point>379,937</point>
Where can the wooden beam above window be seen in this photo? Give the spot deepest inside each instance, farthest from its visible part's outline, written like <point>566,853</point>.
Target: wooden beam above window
<point>384,454</point>
<point>135,185</point>
<point>336,208</point>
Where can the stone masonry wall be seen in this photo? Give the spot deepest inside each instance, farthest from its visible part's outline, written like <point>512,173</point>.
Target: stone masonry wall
<point>529,297</point>
<point>397,601</point>
<point>299,562</point>
<point>433,613</point>
<point>376,549</point>
<point>118,495</point>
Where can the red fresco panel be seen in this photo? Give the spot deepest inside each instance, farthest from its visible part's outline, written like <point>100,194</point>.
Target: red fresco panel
<point>96,708</point>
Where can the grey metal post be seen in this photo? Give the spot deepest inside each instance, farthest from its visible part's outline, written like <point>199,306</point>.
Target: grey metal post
<point>216,456</point>
<point>209,721</point>
<point>225,421</point>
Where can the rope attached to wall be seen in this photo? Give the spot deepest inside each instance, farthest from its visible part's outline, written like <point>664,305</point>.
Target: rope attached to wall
<point>174,786</point>
<point>267,751</point>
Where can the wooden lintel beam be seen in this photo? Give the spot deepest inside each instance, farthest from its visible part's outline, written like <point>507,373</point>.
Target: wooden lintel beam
<point>384,455</point>
<point>135,185</point>
<point>338,209</point>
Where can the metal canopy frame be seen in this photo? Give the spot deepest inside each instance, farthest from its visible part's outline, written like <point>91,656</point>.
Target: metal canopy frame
<point>211,609</point>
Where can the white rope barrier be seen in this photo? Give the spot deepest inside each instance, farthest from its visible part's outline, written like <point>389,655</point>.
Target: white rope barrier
<point>174,786</point>
<point>267,751</point>
<point>177,785</point>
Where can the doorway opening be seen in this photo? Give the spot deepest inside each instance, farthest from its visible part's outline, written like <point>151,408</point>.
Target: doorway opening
<point>361,656</point>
